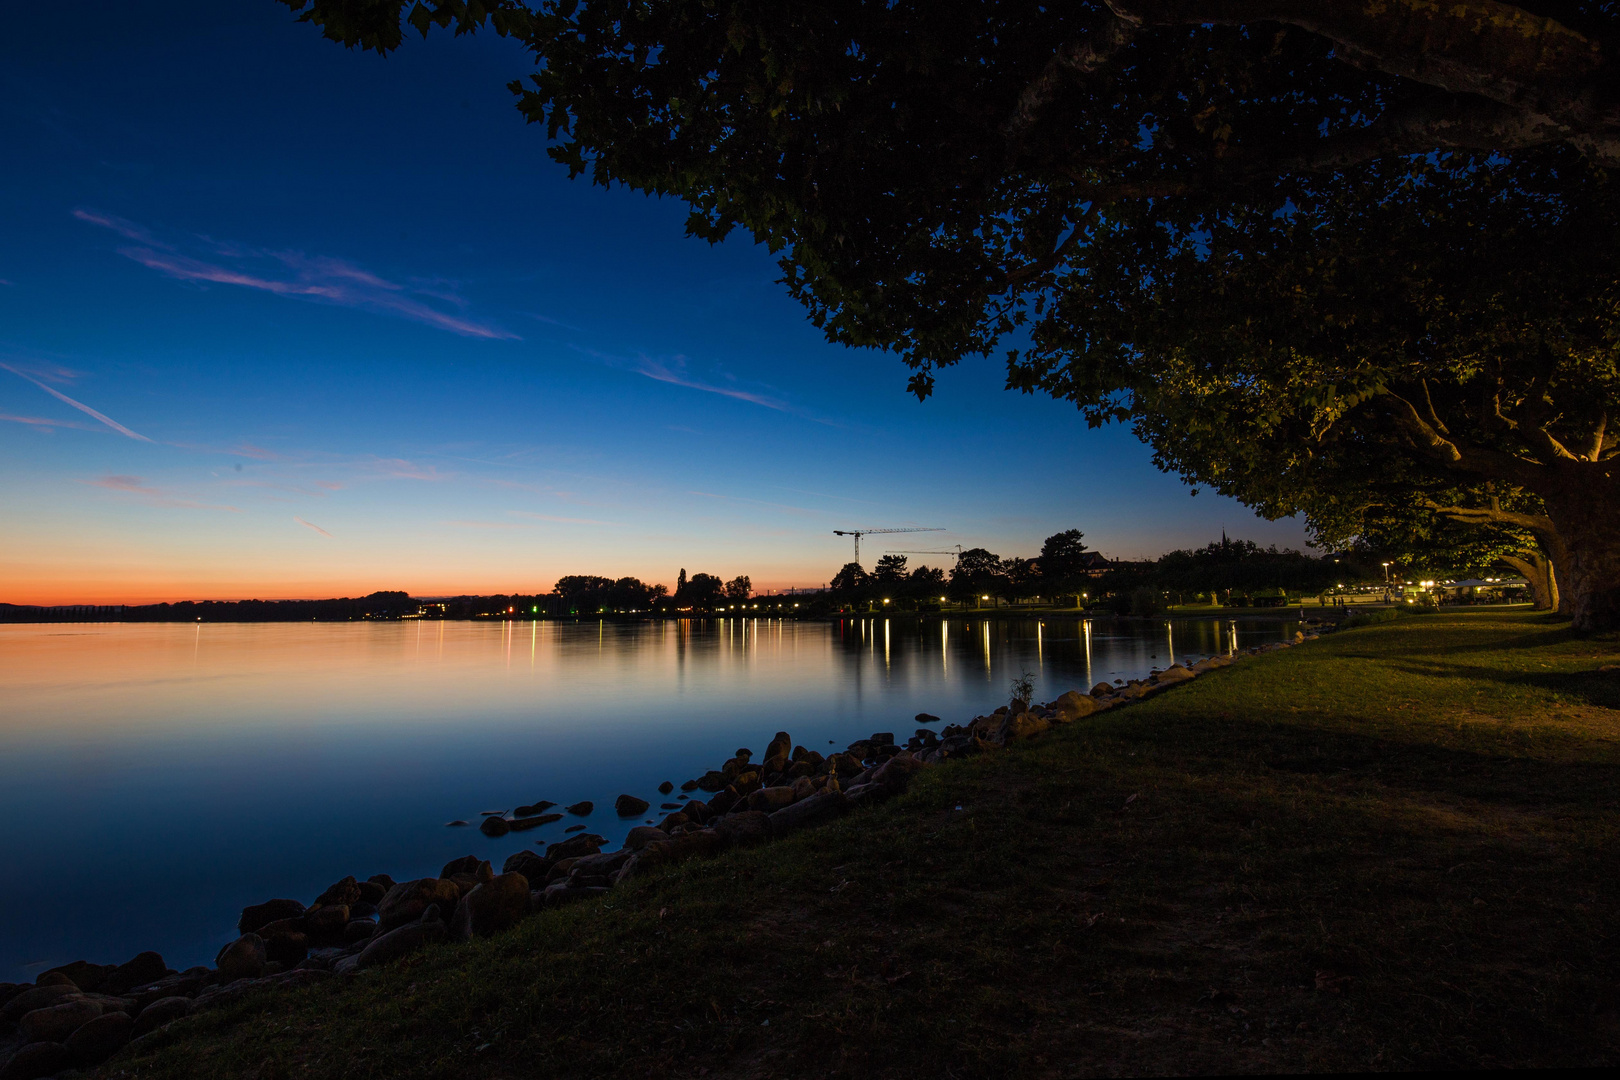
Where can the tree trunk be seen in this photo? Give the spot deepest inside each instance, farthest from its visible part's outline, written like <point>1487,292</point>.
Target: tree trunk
<point>1538,571</point>
<point>1583,502</point>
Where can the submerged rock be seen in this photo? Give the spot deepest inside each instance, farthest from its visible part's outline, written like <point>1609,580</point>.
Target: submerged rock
<point>494,826</point>
<point>630,806</point>
<point>581,809</point>
<point>665,788</point>
<point>523,824</point>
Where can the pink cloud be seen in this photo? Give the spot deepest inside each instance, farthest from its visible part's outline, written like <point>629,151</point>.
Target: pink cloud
<point>122,226</point>
<point>292,274</point>
<point>309,525</point>
<point>44,422</point>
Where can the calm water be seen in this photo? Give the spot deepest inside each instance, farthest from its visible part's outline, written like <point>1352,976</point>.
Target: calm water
<point>154,779</point>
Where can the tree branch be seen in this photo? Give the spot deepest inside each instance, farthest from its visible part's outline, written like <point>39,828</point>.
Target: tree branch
<point>1595,447</point>
<point>1104,42</point>
<point>1471,459</point>
<point>1484,47</point>
<point>1492,515</point>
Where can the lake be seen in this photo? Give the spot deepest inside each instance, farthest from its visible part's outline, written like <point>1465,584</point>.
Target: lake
<point>156,778</point>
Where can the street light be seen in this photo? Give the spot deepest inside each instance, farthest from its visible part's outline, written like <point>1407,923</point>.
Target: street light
<point>1386,573</point>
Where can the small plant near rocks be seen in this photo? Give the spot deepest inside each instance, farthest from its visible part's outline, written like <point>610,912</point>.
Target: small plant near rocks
<point>1023,687</point>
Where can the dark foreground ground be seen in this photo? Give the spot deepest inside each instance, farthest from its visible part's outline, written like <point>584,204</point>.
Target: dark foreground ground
<point>1394,848</point>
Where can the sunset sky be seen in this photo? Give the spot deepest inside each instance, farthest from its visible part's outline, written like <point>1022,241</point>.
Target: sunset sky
<point>278,319</point>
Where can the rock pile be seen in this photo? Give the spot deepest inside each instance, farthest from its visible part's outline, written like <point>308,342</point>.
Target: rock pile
<point>80,1014</point>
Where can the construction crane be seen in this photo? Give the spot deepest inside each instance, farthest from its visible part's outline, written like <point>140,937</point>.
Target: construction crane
<point>858,533</point>
<point>903,551</point>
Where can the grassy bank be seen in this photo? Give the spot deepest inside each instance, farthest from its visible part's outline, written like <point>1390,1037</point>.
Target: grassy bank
<point>1393,848</point>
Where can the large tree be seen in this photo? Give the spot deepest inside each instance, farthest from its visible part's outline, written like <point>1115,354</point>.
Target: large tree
<point>943,178</point>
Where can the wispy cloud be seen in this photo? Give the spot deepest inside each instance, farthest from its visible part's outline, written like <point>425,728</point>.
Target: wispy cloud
<point>297,276</point>
<point>122,226</point>
<point>81,406</point>
<point>45,422</point>
<point>309,525</point>
<point>134,485</point>
<point>487,524</point>
<point>674,371</point>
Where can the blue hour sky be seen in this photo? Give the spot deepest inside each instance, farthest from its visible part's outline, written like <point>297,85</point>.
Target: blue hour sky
<point>279,319</point>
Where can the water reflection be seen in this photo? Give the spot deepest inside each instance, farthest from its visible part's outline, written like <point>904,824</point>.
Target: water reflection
<point>257,760</point>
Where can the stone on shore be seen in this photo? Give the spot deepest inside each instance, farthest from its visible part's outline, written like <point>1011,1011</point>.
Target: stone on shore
<point>563,893</point>
<point>100,1039</point>
<point>744,828</point>
<point>642,835</point>
<point>630,806</point>
<point>466,864</point>
<point>1073,706</point>
<point>344,892</point>
<point>260,915</point>
<point>770,799</point>
<point>243,958</point>
<point>160,1012</point>
<point>55,1023</point>
<point>286,947</point>
<point>403,940</point>
<point>811,811</point>
<point>407,901</point>
<point>326,922</point>
<point>35,1061</point>
<point>530,864</point>
<point>1175,673</point>
<point>1025,725</point>
<point>81,973</point>
<point>492,907</point>
<point>574,846</point>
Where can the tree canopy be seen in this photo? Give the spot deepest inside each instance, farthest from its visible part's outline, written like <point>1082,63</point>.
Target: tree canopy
<point>1290,240</point>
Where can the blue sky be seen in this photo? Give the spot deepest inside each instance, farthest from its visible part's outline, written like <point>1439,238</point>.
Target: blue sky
<point>279,319</point>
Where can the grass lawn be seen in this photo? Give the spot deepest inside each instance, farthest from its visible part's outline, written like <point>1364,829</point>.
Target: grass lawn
<point>1394,848</point>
